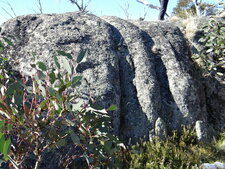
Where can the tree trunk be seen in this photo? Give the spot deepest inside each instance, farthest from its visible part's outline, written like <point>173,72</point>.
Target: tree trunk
<point>198,7</point>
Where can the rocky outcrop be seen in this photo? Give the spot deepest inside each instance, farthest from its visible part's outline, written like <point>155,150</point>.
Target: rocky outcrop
<point>214,86</point>
<point>142,67</point>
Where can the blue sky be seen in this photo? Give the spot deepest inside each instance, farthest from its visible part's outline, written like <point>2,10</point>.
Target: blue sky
<point>97,7</point>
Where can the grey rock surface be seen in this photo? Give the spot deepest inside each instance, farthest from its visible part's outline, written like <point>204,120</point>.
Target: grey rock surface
<point>142,67</point>
<point>219,165</point>
<point>160,128</point>
<point>181,94</point>
<point>216,165</point>
<point>140,93</point>
<point>201,130</point>
<point>214,87</point>
<point>208,166</point>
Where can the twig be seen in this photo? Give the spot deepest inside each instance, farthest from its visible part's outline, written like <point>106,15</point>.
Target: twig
<point>81,7</point>
<point>7,12</point>
<point>125,9</point>
<point>39,5</point>
<point>145,2</point>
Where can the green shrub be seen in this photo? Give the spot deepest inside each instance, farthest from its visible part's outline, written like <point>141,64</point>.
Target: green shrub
<point>212,56</point>
<point>42,113</point>
<point>180,151</point>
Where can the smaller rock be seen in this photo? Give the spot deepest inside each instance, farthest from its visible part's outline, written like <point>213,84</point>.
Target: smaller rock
<point>201,131</point>
<point>160,128</point>
<point>219,165</point>
<point>208,166</point>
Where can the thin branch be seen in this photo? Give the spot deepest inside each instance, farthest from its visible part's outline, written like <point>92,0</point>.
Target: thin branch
<point>145,2</point>
<point>11,8</point>
<point>39,5</point>
<point>125,9</point>
<point>148,4</point>
<point>7,12</point>
<point>80,5</point>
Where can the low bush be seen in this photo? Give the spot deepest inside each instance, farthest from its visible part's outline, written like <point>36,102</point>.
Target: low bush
<point>180,151</point>
<point>42,114</point>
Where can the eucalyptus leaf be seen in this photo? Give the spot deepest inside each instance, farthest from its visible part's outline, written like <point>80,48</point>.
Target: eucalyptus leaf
<point>76,79</point>
<point>12,88</point>
<point>52,77</point>
<point>8,41</point>
<point>43,104</point>
<point>42,66</point>
<point>74,137</point>
<point>112,108</point>
<point>6,149</point>
<point>2,142</point>
<point>56,62</point>
<point>81,55</point>
<point>1,45</point>
<point>61,143</point>
<point>51,91</point>
<point>66,65</point>
<point>63,53</point>
<point>1,124</point>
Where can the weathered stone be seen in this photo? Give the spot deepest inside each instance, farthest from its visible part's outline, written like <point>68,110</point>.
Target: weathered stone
<point>216,165</point>
<point>140,95</point>
<point>142,67</point>
<point>160,128</point>
<point>219,165</point>
<point>214,87</point>
<point>201,130</point>
<point>180,91</point>
<point>208,166</point>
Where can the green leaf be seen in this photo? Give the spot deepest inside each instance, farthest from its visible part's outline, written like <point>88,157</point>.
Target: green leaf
<point>1,124</point>
<point>81,55</point>
<point>56,62</point>
<point>6,149</point>
<point>42,66</point>
<point>52,77</point>
<point>112,108</point>
<point>76,79</point>
<point>33,65</point>
<point>8,41</point>
<point>12,88</point>
<point>62,88</point>
<point>74,137</point>
<point>51,91</point>
<point>63,53</point>
<point>95,106</point>
<point>61,143</point>
<point>43,104</point>
<point>41,75</point>
<point>66,65</point>
<point>2,142</point>
<point>1,45</point>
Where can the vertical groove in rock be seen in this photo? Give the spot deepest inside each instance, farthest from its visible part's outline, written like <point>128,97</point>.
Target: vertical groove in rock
<point>139,87</point>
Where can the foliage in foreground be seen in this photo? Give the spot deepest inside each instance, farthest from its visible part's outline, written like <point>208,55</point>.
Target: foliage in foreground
<point>42,114</point>
<point>180,151</point>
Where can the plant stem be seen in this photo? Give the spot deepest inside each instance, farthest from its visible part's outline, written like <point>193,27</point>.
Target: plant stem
<point>38,162</point>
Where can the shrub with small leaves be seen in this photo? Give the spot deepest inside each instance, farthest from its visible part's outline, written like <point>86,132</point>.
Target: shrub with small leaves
<point>42,113</point>
<point>180,150</point>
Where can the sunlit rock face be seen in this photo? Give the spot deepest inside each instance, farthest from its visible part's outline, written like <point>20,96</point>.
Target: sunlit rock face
<point>142,67</point>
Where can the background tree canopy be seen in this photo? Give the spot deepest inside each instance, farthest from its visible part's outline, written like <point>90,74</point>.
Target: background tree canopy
<point>186,8</point>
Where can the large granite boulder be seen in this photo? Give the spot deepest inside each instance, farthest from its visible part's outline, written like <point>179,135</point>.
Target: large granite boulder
<point>142,67</point>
